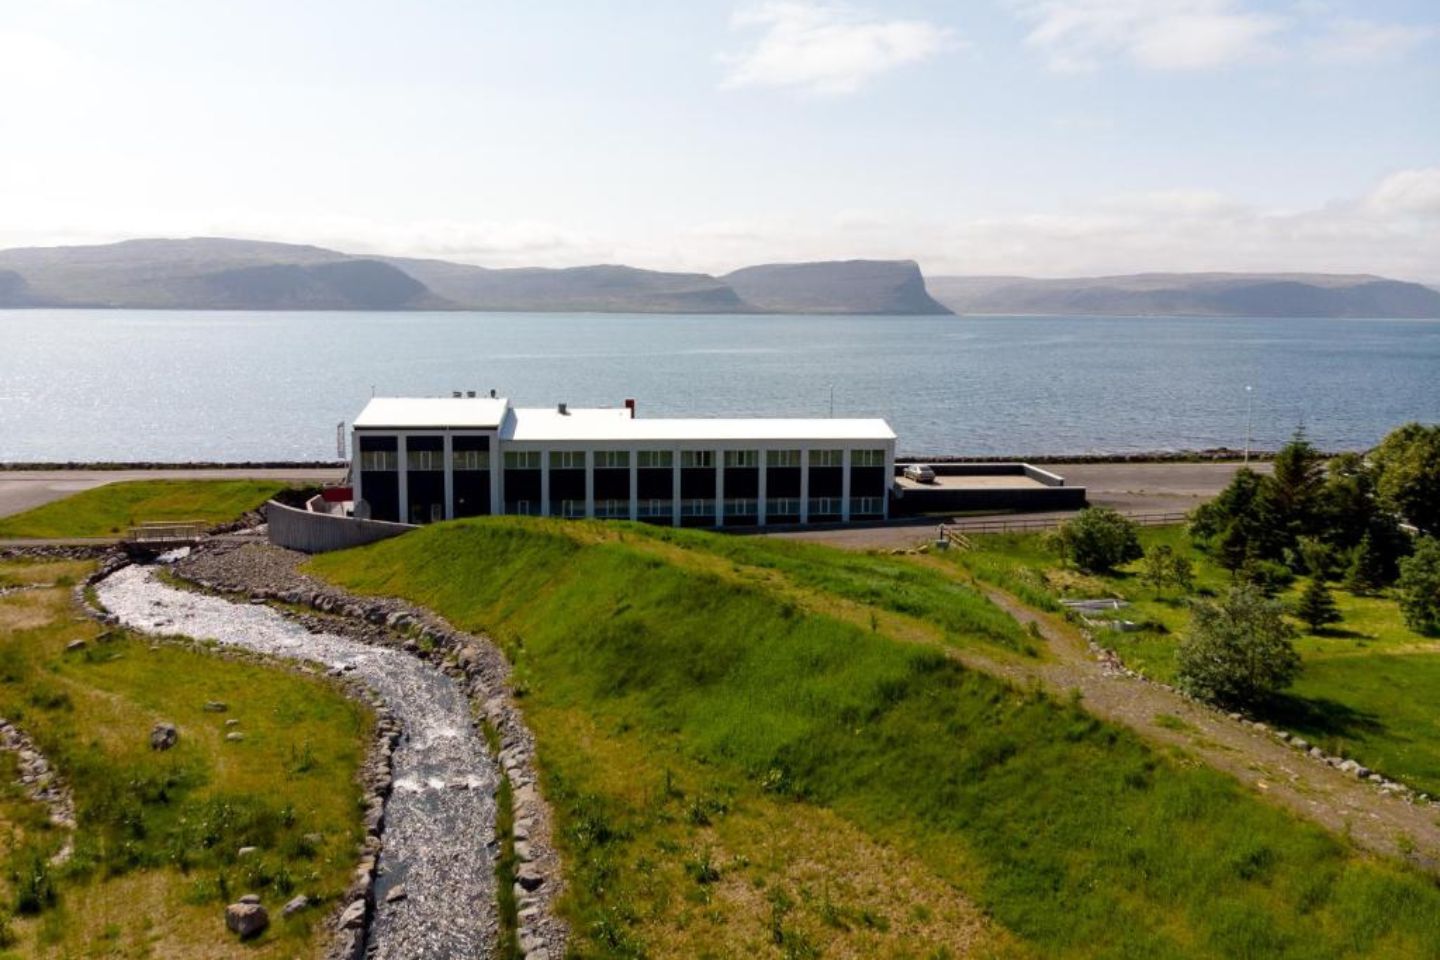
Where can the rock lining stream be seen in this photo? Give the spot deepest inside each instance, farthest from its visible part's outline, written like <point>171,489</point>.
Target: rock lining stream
<point>440,818</point>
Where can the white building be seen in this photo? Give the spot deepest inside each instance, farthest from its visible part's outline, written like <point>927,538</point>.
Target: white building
<point>419,460</point>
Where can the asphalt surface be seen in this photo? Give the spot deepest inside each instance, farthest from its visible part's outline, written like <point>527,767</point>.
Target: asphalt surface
<point>21,490</point>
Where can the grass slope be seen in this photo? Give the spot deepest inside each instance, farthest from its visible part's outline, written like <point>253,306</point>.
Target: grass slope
<point>706,740</point>
<point>156,851</point>
<point>112,509</point>
<point>1368,686</point>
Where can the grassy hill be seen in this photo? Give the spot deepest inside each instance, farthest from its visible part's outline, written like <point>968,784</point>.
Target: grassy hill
<point>110,510</point>
<point>762,748</point>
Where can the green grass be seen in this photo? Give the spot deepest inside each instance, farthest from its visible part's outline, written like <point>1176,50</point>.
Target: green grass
<point>1368,686</point>
<point>156,850</point>
<point>674,705</point>
<point>111,510</point>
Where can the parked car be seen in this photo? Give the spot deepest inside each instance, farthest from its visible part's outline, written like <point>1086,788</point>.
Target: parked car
<point>920,473</point>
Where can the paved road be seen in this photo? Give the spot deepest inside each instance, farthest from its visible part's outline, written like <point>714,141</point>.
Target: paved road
<point>23,489</point>
<point>1128,487</point>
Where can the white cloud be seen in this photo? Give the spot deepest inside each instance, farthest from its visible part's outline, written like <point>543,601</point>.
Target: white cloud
<point>1079,35</point>
<point>826,49</point>
<point>1347,40</point>
<point>1408,193</point>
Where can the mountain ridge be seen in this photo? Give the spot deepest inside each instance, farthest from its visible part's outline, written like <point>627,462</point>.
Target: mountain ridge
<point>222,273</point>
<point>1190,295</point>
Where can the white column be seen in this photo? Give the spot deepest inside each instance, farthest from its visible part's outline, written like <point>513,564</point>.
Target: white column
<point>764,468</point>
<point>634,484</point>
<point>497,476</point>
<point>719,488</point>
<point>845,485</point>
<point>590,484</point>
<point>889,477</point>
<point>403,482</point>
<point>355,471</point>
<point>675,488</point>
<point>449,478</point>
<point>544,483</point>
<point>804,485</point>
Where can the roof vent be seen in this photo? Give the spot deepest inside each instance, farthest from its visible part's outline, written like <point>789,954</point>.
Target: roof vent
<point>455,394</point>
<point>492,393</point>
<point>563,411</point>
<point>630,405</point>
<point>470,394</point>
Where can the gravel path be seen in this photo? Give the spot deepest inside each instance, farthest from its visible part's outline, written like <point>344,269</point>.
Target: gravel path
<point>1388,824</point>
<point>440,817</point>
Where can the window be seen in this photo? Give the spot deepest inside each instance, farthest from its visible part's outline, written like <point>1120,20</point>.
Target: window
<point>783,506</point>
<point>697,458</point>
<point>572,508</point>
<point>782,458</point>
<point>827,458</point>
<point>379,460</point>
<point>824,505</point>
<point>567,459</point>
<point>424,460</point>
<point>522,459</point>
<point>612,459</point>
<point>470,459</point>
<point>655,508</point>
<point>867,458</point>
<point>698,508</point>
<point>648,459</point>
<point>866,506</point>
<point>522,508</point>
<point>613,509</point>
<point>741,508</point>
<point>742,458</point>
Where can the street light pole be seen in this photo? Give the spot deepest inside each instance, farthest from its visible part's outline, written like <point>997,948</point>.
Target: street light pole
<point>1249,407</point>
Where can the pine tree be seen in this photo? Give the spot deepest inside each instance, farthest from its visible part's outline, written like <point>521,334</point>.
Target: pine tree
<point>1316,607</point>
<point>1366,573</point>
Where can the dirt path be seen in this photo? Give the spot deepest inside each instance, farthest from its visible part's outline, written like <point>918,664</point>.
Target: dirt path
<point>1257,758</point>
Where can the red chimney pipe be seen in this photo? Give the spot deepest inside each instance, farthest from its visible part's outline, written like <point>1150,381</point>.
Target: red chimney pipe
<point>630,405</point>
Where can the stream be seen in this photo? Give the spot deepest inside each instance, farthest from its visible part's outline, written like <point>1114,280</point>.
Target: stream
<point>441,812</point>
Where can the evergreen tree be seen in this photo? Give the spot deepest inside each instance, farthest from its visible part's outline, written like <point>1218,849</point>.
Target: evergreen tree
<point>1316,607</point>
<point>1419,587</point>
<point>1366,572</point>
<point>1299,479</point>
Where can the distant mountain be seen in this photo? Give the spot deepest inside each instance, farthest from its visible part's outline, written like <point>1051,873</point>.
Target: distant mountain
<point>599,288</point>
<point>845,286</point>
<point>218,273</point>
<point>1191,294</point>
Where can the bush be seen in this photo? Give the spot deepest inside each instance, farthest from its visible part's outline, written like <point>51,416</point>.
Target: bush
<point>1419,587</point>
<point>1164,566</point>
<point>1238,651</point>
<point>1098,540</point>
<point>1267,576</point>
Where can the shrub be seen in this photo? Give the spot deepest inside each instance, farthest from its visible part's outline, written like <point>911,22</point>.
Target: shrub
<point>1238,651</point>
<point>1164,566</point>
<point>1098,540</point>
<point>1267,576</point>
<point>1419,587</point>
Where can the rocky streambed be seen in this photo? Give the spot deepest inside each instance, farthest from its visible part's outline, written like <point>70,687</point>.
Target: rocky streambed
<point>435,884</point>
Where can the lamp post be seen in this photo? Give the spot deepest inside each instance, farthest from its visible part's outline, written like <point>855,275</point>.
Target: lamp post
<point>1249,407</point>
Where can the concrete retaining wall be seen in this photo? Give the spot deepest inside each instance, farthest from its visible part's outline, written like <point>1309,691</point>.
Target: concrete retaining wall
<point>320,532</point>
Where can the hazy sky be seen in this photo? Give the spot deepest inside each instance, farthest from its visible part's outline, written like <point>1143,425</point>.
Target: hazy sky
<point>1044,137</point>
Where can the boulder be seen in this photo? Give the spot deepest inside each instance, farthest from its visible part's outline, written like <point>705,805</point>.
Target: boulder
<point>246,919</point>
<point>216,706</point>
<point>75,645</point>
<point>295,906</point>
<point>235,737</point>
<point>354,916</point>
<point>163,736</point>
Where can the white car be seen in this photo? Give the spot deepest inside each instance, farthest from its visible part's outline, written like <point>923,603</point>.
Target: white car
<point>920,473</point>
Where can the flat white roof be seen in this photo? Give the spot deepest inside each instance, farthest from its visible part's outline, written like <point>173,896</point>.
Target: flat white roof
<point>616,424</point>
<point>414,413</point>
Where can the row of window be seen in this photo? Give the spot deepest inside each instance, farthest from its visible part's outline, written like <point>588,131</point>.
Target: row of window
<point>614,459</point>
<point>738,507</point>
